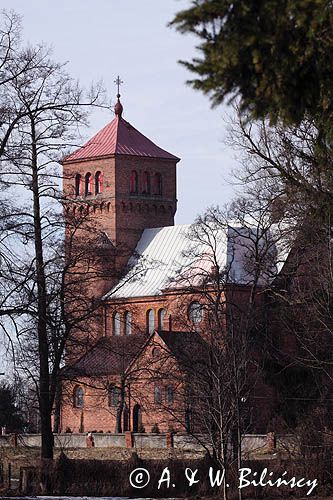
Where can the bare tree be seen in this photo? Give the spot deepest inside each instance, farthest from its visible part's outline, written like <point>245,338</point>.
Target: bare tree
<point>295,162</point>
<point>295,166</point>
<point>45,108</point>
<point>215,364</point>
<point>230,294</point>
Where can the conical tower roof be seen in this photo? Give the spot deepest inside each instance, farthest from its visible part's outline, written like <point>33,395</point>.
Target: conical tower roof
<point>119,137</point>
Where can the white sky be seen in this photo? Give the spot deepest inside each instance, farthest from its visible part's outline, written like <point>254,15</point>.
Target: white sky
<point>104,38</point>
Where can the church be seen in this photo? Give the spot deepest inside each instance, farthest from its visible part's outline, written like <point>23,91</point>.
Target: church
<point>136,369</point>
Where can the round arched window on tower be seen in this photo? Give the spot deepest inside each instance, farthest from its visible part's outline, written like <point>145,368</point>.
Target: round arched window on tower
<point>134,182</point>
<point>88,184</point>
<point>146,183</point>
<point>98,182</point>
<point>78,185</point>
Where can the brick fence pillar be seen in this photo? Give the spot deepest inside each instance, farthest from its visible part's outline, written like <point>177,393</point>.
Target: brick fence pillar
<point>8,477</point>
<point>90,443</point>
<point>128,439</point>
<point>271,442</point>
<point>13,440</point>
<point>169,440</point>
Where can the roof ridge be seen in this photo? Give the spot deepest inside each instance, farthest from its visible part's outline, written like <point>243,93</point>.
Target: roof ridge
<point>118,117</point>
<point>171,226</point>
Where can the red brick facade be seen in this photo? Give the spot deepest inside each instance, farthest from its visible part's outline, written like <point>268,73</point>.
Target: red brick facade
<point>116,211</point>
<point>153,388</point>
<point>122,213</point>
<point>98,414</point>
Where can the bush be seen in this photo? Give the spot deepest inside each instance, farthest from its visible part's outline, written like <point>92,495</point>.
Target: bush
<point>110,478</point>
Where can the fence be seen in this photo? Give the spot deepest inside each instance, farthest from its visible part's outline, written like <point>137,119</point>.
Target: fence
<point>250,442</point>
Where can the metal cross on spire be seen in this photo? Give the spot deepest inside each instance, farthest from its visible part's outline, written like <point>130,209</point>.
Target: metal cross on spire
<point>118,108</point>
<point>118,82</point>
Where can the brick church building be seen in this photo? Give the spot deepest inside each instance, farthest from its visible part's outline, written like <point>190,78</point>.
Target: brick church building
<point>151,316</point>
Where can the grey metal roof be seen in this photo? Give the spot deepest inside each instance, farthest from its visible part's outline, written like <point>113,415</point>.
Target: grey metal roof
<point>174,257</point>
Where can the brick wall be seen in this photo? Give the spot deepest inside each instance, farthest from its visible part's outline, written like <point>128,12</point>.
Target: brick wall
<point>98,414</point>
<point>117,212</point>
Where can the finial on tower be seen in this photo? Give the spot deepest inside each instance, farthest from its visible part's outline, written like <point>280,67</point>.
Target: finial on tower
<point>118,109</point>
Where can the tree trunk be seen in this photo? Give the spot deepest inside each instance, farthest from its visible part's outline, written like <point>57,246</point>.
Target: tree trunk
<point>43,348</point>
<point>120,409</point>
<point>57,408</point>
<point>239,443</point>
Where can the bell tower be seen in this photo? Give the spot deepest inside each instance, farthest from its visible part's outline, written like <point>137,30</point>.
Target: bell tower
<point>118,183</point>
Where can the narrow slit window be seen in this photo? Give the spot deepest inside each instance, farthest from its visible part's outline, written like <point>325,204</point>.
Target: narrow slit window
<point>78,397</point>
<point>158,184</point>
<point>134,182</point>
<point>158,395</point>
<point>128,323</point>
<point>150,321</point>
<point>170,395</point>
<point>114,396</point>
<point>146,183</point>
<point>116,324</point>
<point>161,317</point>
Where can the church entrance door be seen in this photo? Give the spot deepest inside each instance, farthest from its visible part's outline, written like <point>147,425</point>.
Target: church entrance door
<point>136,418</point>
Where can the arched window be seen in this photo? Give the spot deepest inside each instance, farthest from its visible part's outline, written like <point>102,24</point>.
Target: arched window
<point>161,316</point>
<point>158,183</point>
<point>78,397</point>
<point>78,185</point>
<point>128,323</point>
<point>126,418</point>
<point>98,182</point>
<point>114,396</point>
<point>116,324</point>
<point>88,184</point>
<point>195,312</point>
<point>155,352</point>
<point>170,397</point>
<point>134,182</point>
<point>146,183</point>
<point>188,420</point>
<point>157,395</point>
<point>150,321</point>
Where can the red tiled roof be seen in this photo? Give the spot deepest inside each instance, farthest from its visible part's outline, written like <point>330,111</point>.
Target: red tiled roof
<point>113,355</point>
<point>109,356</point>
<point>119,138</point>
<point>189,348</point>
